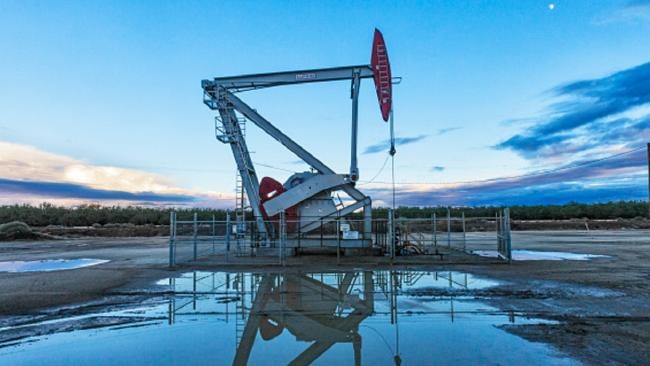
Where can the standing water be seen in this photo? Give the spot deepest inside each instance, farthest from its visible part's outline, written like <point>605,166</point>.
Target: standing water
<point>352,318</point>
<point>47,265</point>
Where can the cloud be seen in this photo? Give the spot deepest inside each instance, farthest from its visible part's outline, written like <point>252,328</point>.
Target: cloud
<point>594,134</point>
<point>633,11</point>
<point>592,115</point>
<point>443,131</point>
<point>70,190</point>
<point>296,162</point>
<point>596,180</point>
<point>399,141</point>
<point>437,168</point>
<point>558,193</point>
<point>30,174</point>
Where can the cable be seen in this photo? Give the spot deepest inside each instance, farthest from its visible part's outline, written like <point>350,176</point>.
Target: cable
<point>383,165</point>
<point>274,167</point>
<point>392,168</point>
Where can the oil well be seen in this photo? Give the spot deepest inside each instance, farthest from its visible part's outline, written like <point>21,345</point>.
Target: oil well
<point>305,214</point>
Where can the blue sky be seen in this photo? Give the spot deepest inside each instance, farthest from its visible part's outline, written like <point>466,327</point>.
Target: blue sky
<point>502,102</point>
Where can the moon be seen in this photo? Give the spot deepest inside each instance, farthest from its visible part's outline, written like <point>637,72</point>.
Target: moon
<point>551,6</point>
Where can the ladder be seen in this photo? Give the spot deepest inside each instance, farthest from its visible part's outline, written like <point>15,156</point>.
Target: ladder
<point>241,201</point>
<point>230,129</point>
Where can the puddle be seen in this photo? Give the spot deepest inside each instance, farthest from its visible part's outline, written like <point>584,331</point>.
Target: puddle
<point>532,255</point>
<point>366,318</point>
<point>47,265</point>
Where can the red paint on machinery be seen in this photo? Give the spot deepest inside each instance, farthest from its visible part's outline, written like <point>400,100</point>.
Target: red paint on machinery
<point>271,188</point>
<point>382,75</point>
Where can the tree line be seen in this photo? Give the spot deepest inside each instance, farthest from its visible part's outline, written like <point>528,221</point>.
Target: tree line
<point>87,215</point>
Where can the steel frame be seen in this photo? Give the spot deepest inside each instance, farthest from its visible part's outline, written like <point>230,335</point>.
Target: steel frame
<point>219,95</point>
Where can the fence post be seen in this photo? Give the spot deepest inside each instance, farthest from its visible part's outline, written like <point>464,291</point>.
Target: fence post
<point>228,230</point>
<point>464,233</point>
<point>338,238</point>
<point>391,233</point>
<point>172,237</point>
<point>435,236</point>
<point>508,237</point>
<point>283,231</point>
<point>214,233</point>
<point>499,233</point>
<point>194,233</point>
<point>448,227</point>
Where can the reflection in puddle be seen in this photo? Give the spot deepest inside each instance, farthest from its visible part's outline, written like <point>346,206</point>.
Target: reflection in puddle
<point>47,265</point>
<point>533,255</point>
<point>297,319</point>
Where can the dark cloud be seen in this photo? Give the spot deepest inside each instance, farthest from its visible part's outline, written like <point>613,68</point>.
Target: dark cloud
<point>437,168</point>
<point>385,145</point>
<point>580,181</point>
<point>77,191</point>
<point>585,117</point>
<point>559,193</point>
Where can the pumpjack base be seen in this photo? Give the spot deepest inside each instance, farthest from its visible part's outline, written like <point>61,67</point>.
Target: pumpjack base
<point>317,246</point>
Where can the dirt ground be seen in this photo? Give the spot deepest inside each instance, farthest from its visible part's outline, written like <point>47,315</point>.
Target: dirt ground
<point>602,305</point>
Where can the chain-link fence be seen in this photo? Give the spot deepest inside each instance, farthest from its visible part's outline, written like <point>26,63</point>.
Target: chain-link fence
<point>283,236</point>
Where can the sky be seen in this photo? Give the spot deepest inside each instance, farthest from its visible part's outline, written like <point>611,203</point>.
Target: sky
<point>500,103</point>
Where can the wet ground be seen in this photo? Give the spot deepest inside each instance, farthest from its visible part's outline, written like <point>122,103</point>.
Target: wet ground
<point>595,311</point>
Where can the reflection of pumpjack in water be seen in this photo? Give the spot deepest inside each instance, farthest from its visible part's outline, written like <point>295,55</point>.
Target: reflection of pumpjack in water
<point>310,310</point>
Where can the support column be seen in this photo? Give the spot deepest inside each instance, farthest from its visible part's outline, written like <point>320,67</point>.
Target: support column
<point>367,221</point>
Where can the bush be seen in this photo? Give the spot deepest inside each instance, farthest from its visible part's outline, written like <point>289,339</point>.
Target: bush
<point>16,230</point>
<point>88,215</point>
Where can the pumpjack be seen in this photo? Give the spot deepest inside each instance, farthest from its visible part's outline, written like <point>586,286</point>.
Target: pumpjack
<point>306,198</point>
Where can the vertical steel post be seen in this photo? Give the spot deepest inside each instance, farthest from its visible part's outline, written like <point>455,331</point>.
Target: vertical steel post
<point>508,236</point>
<point>391,233</point>
<point>649,180</point>
<point>464,233</point>
<point>338,238</point>
<point>172,236</point>
<point>228,229</point>
<point>499,233</point>
<point>283,231</point>
<point>194,234</point>
<point>367,219</point>
<point>448,227</point>
<point>214,232</point>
